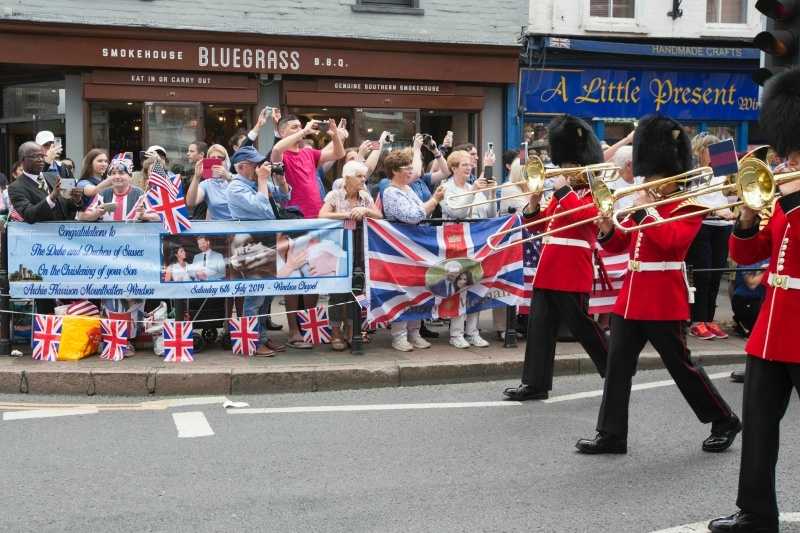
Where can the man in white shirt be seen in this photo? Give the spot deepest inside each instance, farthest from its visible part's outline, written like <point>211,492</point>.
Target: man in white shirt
<point>207,264</point>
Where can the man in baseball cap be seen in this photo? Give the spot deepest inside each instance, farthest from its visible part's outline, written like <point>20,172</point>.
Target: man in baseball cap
<point>52,152</point>
<point>247,153</point>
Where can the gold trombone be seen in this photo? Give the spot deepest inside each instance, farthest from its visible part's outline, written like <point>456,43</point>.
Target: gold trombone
<point>535,176</point>
<point>604,199</point>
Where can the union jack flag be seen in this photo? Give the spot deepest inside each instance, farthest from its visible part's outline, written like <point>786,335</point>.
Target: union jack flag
<point>244,335</point>
<point>46,337</point>
<point>178,342</point>
<point>559,42</point>
<point>314,324</point>
<point>115,339</point>
<point>121,213</point>
<point>366,324</point>
<point>405,266</point>
<point>165,197</point>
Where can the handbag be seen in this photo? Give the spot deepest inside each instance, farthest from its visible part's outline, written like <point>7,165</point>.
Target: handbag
<point>291,212</point>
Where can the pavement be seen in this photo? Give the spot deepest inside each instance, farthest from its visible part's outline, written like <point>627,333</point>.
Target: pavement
<point>216,371</point>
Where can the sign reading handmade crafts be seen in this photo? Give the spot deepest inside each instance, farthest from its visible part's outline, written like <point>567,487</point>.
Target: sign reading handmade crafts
<point>73,260</point>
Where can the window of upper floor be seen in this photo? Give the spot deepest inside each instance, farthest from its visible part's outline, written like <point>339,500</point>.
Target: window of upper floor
<point>615,16</point>
<point>612,9</point>
<point>402,7</point>
<point>726,12</point>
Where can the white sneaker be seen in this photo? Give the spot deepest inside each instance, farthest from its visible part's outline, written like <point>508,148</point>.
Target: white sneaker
<point>459,342</point>
<point>418,342</point>
<point>402,345</point>
<point>477,340</point>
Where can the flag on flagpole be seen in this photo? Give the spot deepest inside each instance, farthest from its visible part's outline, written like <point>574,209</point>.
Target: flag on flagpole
<point>314,325</point>
<point>165,197</point>
<point>46,337</point>
<point>115,339</point>
<point>244,335</point>
<point>178,342</point>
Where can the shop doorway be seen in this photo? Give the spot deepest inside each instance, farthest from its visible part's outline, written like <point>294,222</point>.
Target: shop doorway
<point>173,127</point>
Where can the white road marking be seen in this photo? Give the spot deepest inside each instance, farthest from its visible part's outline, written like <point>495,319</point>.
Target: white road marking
<point>785,518</point>
<point>47,413</point>
<point>379,407</point>
<point>199,400</point>
<point>643,386</point>
<point>192,424</point>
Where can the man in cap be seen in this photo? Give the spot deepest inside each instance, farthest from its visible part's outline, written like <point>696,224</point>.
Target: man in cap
<point>565,273</point>
<point>653,304</point>
<point>248,199</point>
<point>773,361</point>
<point>52,152</point>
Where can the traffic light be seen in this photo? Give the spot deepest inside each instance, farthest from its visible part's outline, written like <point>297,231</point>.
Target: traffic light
<point>780,40</point>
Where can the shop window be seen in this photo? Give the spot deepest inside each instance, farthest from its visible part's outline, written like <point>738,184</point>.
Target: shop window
<point>403,7</point>
<point>726,12</point>
<point>614,9</point>
<point>117,127</point>
<point>34,100</point>
<point>535,134</point>
<point>221,122</point>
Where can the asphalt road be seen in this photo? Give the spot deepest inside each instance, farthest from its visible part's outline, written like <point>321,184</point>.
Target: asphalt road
<point>376,467</point>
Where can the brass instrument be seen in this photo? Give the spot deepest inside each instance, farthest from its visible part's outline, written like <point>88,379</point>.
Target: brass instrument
<point>535,176</point>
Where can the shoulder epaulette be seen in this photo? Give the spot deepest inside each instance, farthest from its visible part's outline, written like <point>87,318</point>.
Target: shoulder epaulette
<point>692,202</point>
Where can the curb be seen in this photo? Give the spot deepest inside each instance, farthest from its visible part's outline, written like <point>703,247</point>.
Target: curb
<point>275,380</point>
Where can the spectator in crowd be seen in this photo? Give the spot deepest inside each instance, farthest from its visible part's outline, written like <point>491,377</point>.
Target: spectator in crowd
<point>249,199</point>
<point>195,154</point>
<point>126,197</point>
<point>16,172</point>
<point>508,158</point>
<point>301,174</point>
<point>709,250</point>
<point>472,150</point>
<point>401,203</point>
<point>352,201</point>
<point>214,190</point>
<point>748,294</point>
<point>3,181</point>
<point>69,163</point>
<point>422,184</point>
<point>460,164</point>
<point>93,176</point>
<point>610,151</point>
<point>52,152</point>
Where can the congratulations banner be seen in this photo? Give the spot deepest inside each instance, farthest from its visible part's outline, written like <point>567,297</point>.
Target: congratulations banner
<point>417,272</point>
<point>142,260</point>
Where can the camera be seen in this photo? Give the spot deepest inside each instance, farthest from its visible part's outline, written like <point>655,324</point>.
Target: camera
<point>323,126</point>
<point>278,169</point>
<point>390,137</point>
<point>426,139</point>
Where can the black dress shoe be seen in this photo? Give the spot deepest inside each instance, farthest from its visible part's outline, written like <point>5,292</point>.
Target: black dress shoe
<point>737,376</point>
<point>425,333</point>
<point>525,392</point>
<point>603,443</point>
<point>723,433</point>
<point>744,522</point>
<point>272,326</point>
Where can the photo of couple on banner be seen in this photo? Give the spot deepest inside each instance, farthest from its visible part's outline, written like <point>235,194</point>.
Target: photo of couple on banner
<point>420,272</point>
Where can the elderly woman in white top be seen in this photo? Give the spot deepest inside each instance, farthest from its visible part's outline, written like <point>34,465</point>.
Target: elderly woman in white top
<point>461,166</point>
<point>354,202</point>
<point>709,249</point>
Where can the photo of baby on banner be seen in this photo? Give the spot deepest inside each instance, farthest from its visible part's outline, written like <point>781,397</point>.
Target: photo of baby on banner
<point>317,253</point>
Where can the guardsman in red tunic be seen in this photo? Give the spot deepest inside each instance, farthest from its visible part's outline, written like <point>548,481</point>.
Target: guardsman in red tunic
<point>773,362</point>
<point>565,272</point>
<point>653,304</point>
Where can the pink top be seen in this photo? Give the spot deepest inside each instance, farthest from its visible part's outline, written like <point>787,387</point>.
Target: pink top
<point>301,175</point>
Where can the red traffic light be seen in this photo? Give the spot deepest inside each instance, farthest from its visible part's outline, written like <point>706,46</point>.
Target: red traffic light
<point>781,10</point>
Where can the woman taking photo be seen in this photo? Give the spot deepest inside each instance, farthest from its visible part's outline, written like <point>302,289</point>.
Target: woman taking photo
<point>352,201</point>
<point>402,204</point>
<point>460,164</point>
<point>213,190</point>
<point>93,177</point>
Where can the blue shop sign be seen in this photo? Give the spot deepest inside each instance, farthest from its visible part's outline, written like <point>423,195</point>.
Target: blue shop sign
<point>685,96</point>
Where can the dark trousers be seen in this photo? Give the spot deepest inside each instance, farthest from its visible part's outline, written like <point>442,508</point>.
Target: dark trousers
<point>767,390</point>
<point>745,311</point>
<point>628,338</point>
<point>709,249</point>
<point>548,308</point>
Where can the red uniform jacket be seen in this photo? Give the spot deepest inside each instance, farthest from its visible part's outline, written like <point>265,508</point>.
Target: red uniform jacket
<point>775,335</point>
<point>659,295</point>
<point>564,267</point>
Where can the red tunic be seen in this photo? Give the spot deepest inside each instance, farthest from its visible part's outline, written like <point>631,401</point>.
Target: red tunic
<point>775,335</point>
<point>658,295</point>
<point>565,267</point>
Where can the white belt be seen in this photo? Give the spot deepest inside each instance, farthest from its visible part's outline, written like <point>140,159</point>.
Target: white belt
<point>566,242</point>
<point>654,266</point>
<point>783,282</point>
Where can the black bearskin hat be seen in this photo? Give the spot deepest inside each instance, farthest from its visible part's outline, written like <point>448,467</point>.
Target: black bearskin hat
<point>661,146</point>
<point>573,141</point>
<point>779,118</point>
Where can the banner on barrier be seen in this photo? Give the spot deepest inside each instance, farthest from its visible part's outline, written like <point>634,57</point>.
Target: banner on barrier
<point>216,259</point>
<point>418,272</point>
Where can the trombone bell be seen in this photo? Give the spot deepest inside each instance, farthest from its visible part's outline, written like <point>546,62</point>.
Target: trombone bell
<point>756,184</point>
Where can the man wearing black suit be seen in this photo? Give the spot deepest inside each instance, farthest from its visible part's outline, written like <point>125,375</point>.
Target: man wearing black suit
<point>37,196</point>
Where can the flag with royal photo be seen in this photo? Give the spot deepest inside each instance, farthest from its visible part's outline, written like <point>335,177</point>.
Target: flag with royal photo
<point>165,197</point>
<point>244,335</point>
<point>178,342</point>
<point>46,337</point>
<point>417,272</point>
<point>314,325</point>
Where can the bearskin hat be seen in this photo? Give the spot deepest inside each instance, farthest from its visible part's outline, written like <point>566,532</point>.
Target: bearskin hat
<point>661,146</point>
<point>573,141</point>
<point>779,117</point>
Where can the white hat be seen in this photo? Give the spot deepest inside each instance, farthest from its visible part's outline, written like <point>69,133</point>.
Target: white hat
<point>44,137</point>
<point>156,149</point>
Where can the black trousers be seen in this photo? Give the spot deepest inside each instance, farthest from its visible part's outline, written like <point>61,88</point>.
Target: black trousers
<point>628,338</point>
<point>709,249</point>
<point>548,308</point>
<point>745,311</point>
<point>767,390</point>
